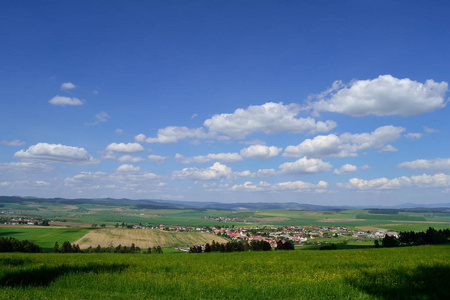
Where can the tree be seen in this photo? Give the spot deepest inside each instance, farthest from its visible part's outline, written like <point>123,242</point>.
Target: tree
<point>389,241</point>
<point>377,244</point>
<point>66,247</point>
<point>56,248</point>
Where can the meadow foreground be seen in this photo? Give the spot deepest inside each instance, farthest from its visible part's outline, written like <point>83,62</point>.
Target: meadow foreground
<point>402,273</point>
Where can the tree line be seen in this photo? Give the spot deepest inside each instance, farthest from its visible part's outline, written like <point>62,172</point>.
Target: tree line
<point>239,246</point>
<point>10,244</point>
<point>410,238</point>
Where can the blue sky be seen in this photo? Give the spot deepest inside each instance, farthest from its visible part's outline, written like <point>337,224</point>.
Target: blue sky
<point>324,102</point>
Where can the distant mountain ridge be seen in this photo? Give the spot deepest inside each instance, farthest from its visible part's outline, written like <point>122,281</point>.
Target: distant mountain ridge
<point>173,204</point>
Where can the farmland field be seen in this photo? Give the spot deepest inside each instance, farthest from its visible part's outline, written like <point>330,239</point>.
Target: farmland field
<point>401,273</point>
<point>145,238</point>
<point>45,237</point>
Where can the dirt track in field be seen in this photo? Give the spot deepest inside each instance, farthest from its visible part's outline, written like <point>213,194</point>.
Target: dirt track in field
<point>145,238</point>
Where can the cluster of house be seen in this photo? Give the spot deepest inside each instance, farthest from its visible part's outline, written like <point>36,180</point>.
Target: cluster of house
<point>375,235</point>
<point>295,234</point>
<point>20,221</point>
<point>221,219</point>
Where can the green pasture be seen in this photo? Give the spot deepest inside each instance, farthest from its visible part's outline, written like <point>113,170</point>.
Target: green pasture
<point>45,237</point>
<point>413,226</point>
<point>389,273</point>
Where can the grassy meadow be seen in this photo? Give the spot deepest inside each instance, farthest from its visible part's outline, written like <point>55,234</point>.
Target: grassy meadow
<point>44,236</point>
<point>400,273</point>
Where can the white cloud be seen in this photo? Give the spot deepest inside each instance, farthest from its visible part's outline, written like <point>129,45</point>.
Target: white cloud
<point>12,143</point>
<point>63,101</point>
<point>263,173</point>
<point>305,166</point>
<point>221,157</point>
<point>118,131</point>
<point>216,171</point>
<point>125,148</point>
<point>172,134</point>
<point>156,158</point>
<point>67,86</point>
<point>412,135</point>
<point>261,152</point>
<point>295,186</point>
<point>422,181</point>
<point>434,165</point>
<point>56,153</point>
<point>347,144</point>
<point>388,148</point>
<point>125,178</point>
<point>383,96</point>
<point>24,167</point>
<point>130,158</point>
<point>102,116</point>
<point>128,168</point>
<point>345,169</point>
<point>320,146</point>
<point>429,130</point>
<point>268,118</point>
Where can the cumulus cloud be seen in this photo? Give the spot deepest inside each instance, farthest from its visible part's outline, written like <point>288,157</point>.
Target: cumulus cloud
<point>63,101</point>
<point>268,118</point>
<point>126,178</point>
<point>172,134</point>
<point>125,148</point>
<point>382,96</point>
<point>216,171</point>
<point>156,158</point>
<point>434,165</point>
<point>305,166</point>
<point>345,169</point>
<point>422,181</point>
<point>24,167</point>
<point>56,153</point>
<point>220,157</point>
<point>68,86</point>
<point>295,186</point>
<point>347,144</point>
<point>128,168</point>
<point>261,152</point>
<point>130,158</point>
<point>12,143</point>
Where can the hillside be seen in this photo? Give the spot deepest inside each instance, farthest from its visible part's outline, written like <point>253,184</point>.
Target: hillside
<point>144,238</point>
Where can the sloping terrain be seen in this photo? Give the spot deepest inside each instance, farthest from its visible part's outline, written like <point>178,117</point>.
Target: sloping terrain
<point>144,238</point>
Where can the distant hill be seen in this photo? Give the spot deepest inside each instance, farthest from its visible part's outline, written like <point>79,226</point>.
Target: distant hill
<point>171,204</point>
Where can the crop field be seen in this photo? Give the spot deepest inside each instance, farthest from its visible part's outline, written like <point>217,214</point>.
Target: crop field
<point>110,213</point>
<point>145,238</point>
<point>45,237</point>
<point>400,273</point>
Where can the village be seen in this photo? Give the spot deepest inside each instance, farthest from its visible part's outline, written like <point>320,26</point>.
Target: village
<point>298,235</point>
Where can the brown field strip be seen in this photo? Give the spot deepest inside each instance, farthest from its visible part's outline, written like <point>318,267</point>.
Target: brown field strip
<point>145,238</point>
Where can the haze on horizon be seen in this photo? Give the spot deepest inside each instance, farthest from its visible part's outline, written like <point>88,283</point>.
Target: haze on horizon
<point>257,101</point>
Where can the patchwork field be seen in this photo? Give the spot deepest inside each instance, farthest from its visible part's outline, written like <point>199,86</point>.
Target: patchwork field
<point>144,238</point>
<point>385,273</point>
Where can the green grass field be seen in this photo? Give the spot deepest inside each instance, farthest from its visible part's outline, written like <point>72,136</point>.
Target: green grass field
<point>400,273</point>
<point>45,237</point>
